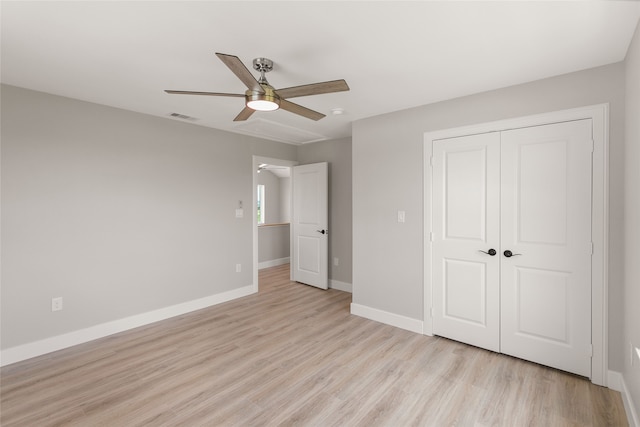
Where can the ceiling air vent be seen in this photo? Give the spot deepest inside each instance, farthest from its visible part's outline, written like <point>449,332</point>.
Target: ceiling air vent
<point>182,116</point>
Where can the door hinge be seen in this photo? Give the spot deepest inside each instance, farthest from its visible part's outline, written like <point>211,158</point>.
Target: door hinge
<point>431,311</point>
<point>593,145</point>
<point>590,350</point>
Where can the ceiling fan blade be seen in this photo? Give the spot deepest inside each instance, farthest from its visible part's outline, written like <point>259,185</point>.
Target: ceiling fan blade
<point>237,67</point>
<point>300,110</point>
<point>313,89</point>
<point>187,92</point>
<point>244,114</point>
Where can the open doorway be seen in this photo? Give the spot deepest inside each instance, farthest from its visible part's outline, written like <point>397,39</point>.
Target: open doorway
<point>272,213</point>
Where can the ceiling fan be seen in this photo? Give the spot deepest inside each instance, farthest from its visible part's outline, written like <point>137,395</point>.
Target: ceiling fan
<point>261,96</point>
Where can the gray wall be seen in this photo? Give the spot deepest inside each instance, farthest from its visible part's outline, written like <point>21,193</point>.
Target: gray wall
<point>273,197</point>
<point>338,154</point>
<point>120,213</point>
<point>631,374</point>
<point>387,177</point>
<point>285,199</point>
<point>273,242</point>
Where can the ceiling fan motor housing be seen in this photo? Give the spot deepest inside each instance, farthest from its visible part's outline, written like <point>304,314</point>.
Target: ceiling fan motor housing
<point>268,96</point>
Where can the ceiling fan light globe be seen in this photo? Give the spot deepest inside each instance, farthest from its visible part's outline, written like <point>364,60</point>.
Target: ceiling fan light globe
<point>268,101</point>
<point>262,105</point>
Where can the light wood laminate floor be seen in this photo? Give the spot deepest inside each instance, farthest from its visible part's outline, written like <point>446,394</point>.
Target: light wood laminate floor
<point>292,355</point>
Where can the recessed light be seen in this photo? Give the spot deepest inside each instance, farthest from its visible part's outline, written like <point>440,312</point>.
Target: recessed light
<point>337,111</point>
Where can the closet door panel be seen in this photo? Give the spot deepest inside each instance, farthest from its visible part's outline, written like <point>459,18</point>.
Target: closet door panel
<point>466,221</point>
<point>546,224</point>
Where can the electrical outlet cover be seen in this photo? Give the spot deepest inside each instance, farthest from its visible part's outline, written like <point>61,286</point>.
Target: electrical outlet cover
<point>56,304</point>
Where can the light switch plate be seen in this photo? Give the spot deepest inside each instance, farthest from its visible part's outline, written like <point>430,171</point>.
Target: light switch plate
<point>400,216</point>
<point>239,213</point>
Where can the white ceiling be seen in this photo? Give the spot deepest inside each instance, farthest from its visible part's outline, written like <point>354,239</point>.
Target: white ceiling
<point>394,55</point>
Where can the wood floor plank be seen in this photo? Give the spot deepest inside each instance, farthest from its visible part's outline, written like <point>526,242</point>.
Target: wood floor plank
<point>292,355</point>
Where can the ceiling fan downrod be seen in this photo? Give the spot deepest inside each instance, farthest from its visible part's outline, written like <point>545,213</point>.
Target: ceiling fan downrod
<point>263,65</point>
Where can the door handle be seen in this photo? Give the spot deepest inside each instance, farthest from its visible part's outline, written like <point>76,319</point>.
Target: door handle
<point>509,254</point>
<point>323,231</point>
<point>491,252</point>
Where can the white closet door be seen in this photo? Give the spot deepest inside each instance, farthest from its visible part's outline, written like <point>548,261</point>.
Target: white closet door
<point>546,220</point>
<point>525,193</point>
<point>466,221</point>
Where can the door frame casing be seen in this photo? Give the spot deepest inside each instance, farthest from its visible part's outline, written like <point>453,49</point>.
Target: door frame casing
<point>599,115</point>
<point>257,160</point>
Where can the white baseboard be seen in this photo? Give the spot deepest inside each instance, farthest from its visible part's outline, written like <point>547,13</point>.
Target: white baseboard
<point>48,345</point>
<point>385,317</point>
<point>273,263</point>
<point>616,382</point>
<point>341,286</point>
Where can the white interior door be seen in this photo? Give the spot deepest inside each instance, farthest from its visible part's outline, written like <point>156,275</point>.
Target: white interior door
<point>546,220</point>
<point>525,193</point>
<point>466,231</point>
<point>310,233</point>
